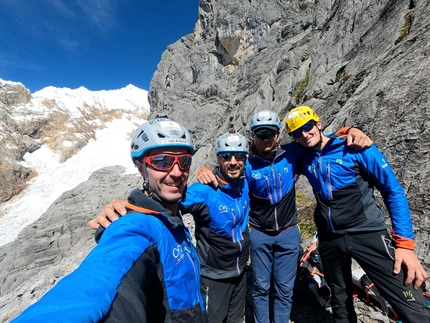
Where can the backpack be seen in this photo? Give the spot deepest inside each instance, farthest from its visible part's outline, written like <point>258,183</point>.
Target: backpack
<point>310,283</point>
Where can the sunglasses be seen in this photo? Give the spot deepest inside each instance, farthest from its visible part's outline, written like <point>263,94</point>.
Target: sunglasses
<point>305,128</point>
<point>228,156</point>
<point>264,134</point>
<point>165,162</point>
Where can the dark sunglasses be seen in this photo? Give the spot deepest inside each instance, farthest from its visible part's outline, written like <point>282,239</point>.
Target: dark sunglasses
<point>265,133</point>
<point>305,128</point>
<point>165,162</point>
<point>228,156</point>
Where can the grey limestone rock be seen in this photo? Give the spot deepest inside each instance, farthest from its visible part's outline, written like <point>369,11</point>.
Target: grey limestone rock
<point>58,241</point>
<point>356,63</point>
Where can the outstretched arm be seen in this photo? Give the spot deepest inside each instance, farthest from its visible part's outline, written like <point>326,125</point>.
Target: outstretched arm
<point>110,213</point>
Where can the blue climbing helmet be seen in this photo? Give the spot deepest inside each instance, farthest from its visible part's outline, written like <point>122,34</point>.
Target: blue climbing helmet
<point>157,133</point>
<point>231,142</point>
<point>265,118</point>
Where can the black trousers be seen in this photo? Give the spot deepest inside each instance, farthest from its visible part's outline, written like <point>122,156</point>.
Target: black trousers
<point>374,252</point>
<point>225,298</point>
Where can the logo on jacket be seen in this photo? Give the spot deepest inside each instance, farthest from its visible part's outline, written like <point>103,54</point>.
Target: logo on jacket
<point>256,175</point>
<point>385,164</point>
<point>339,161</point>
<point>223,208</point>
<point>178,253</point>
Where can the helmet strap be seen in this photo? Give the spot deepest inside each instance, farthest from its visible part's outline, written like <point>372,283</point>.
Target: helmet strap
<point>146,189</point>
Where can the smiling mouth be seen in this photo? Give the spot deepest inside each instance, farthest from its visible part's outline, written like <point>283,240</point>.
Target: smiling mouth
<point>173,184</point>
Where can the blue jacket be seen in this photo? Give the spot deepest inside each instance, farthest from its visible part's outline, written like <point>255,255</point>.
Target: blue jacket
<point>221,222</point>
<point>343,180</point>
<point>144,269</point>
<point>273,195</point>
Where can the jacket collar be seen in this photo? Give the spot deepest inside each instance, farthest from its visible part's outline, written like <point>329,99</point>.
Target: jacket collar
<point>140,202</point>
<point>222,182</point>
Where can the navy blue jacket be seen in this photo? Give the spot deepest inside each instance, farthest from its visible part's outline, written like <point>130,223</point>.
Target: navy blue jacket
<point>343,180</point>
<point>273,195</point>
<point>221,219</point>
<point>144,269</point>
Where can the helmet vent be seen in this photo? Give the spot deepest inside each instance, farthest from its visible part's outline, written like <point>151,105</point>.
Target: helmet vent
<point>143,136</point>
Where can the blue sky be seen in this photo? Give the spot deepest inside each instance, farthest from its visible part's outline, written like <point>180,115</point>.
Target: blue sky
<point>98,44</point>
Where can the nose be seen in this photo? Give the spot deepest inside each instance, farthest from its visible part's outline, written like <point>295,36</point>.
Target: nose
<point>233,160</point>
<point>306,135</point>
<point>175,172</point>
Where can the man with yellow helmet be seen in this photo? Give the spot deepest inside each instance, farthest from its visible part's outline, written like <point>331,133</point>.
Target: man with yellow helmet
<point>351,225</point>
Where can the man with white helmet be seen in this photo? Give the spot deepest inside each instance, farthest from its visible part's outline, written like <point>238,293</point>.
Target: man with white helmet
<point>145,267</point>
<point>221,230</point>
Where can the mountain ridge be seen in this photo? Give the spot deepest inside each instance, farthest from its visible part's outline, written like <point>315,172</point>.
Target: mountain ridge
<point>64,119</point>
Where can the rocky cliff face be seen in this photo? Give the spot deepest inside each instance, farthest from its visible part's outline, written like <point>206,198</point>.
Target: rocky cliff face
<point>13,176</point>
<point>362,63</point>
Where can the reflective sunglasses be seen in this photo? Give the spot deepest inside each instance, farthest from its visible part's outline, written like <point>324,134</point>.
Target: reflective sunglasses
<point>165,162</point>
<point>228,156</point>
<point>305,128</point>
<point>264,134</point>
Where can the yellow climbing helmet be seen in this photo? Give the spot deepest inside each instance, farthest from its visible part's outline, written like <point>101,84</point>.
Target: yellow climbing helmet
<point>298,117</point>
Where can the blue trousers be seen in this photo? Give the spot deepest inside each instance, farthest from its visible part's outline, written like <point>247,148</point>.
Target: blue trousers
<point>274,255</point>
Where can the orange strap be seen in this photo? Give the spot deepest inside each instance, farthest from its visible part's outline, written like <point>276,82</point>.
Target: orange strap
<point>139,209</point>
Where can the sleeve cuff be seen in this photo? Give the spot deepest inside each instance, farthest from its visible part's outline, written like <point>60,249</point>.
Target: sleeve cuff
<point>203,169</point>
<point>342,131</point>
<point>404,243</point>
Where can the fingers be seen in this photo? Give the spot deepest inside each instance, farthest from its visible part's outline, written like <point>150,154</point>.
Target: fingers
<point>203,178</point>
<point>358,141</point>
<point>103,218</point>
<point>414,271</point>
<point>397,266</point>
<point>420,276</point>
<point>119,207</point>
<point>93,224</point>
<point>207,177</point>
<point>368,142</point>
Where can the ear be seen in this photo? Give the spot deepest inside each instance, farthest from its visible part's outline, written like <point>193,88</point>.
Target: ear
<point>319,125</point>
<point>139,166</point>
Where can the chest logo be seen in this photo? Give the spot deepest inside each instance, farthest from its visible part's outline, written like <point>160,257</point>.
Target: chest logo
<point>256,175</point>
<point>222,208</point>
<point>178,253</point>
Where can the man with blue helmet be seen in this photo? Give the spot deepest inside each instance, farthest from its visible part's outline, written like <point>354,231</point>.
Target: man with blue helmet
<point>145,267</point>
<point>221,230</point>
